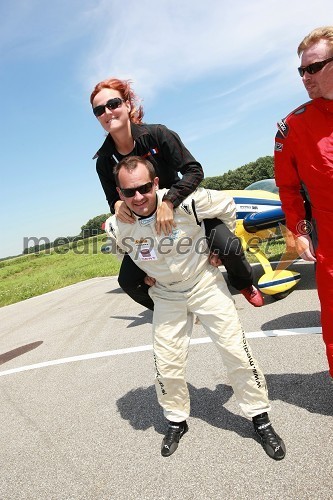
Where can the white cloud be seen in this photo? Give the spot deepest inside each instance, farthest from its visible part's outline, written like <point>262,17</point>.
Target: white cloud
<point>161,44</point>
<point>250,47</point>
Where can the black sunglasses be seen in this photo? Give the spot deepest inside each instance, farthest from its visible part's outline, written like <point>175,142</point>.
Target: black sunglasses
<point>314,67</point>
<point>130,192</point>
<point>110,104</point>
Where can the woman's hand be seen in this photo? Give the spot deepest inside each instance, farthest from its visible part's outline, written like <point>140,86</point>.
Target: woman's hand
<point>164,218</point>
<point>149,280</point>
<point>123,213</point>
<point>214,260</point>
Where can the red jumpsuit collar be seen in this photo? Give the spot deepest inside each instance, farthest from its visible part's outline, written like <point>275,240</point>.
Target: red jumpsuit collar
<point>325,105</point>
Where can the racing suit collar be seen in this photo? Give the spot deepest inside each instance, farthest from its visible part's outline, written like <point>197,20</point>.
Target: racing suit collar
<point>324,104</point>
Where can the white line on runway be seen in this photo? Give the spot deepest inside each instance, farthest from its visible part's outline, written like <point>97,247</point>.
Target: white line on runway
<point>130,350</point>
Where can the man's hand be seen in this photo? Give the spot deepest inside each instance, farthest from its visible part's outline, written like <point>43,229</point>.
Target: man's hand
<point>214,260</point>
<point>123,213</point>
<point>304,248</point>
<point>164,218</point>
<point>149,280</point>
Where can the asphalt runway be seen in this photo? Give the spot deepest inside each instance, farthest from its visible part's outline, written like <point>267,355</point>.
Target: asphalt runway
<point>80,419</point>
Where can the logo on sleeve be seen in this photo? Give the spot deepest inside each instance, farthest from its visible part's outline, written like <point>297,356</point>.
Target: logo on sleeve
<point>186,208</point>
<point>112,229</point>
<point>278,147</point>
<point>283,128</point>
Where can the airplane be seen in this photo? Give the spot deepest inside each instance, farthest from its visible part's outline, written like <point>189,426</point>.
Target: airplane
<point>259,217</point>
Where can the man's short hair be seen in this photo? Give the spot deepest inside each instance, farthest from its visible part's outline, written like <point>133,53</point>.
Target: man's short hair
<point>322,33</point>
<point>130,163</point>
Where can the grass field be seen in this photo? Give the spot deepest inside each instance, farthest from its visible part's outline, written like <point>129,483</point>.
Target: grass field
<point>34,274</point>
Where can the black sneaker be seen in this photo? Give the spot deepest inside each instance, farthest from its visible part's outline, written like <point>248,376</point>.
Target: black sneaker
<point>171,439</point>
<point>270,441</point>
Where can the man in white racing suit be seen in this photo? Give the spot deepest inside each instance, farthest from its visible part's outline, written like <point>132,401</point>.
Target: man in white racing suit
<point>184,284</point>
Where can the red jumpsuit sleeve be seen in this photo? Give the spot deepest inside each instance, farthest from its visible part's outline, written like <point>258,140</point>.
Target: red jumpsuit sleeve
<point>289,184</point>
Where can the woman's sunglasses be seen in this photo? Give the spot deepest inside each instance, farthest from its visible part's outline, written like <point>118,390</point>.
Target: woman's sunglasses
<point>110,104</point>
<point>314,67</point>
<point>130,192</point>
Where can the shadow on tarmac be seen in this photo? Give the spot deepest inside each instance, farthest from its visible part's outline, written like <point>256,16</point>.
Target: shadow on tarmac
<point>7,356</point>
<point>308,391</point>
<point>143,318</point>
<point>116,290</point>
<point>309,318</point>
<point>311,391</point>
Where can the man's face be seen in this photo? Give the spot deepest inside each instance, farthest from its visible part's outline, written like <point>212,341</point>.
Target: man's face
<point>140,204</point>
<point>319,84</point>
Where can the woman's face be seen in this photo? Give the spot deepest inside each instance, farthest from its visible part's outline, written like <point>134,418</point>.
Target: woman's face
<point>112,120</point>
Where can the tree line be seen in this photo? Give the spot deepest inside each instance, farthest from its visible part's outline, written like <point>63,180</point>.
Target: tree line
<point>240,178</point>
<point>92,228</point>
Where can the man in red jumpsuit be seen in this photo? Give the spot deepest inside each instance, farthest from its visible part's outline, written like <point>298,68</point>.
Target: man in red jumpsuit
<point>304,162</point>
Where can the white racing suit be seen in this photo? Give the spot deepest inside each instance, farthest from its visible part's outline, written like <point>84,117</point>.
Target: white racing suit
<point>186,284</point>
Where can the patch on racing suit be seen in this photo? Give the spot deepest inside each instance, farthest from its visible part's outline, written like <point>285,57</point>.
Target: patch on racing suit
<point>298,111</point>
<point>151,152</point>
<point>186,208</point>
<point>283,128</point>
<point>112,229</point>
<point>144,221</point>
<point>278,147</point>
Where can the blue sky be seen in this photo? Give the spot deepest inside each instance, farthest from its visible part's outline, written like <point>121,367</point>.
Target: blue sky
<point>219,73</point>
